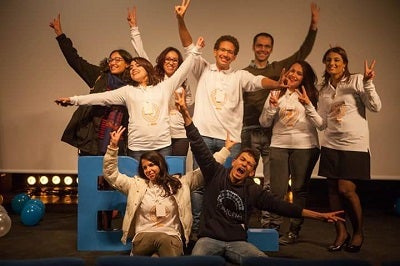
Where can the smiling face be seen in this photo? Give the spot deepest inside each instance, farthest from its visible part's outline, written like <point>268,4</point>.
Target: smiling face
<point>117,63</point>
<point>334,65</point>
<point>138,73</point>
<point>171,63</point>
<point>262,48</point>
<point>242,167</point>
<point>224,55</point>
<point>294,76</point>
<point>150,170</point>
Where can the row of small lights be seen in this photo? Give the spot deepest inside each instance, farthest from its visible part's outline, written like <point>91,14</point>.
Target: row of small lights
<point>55,180</point>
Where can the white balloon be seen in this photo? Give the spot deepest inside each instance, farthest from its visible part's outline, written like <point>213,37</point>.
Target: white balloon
<point>2,209</point>
<point>5,223</point>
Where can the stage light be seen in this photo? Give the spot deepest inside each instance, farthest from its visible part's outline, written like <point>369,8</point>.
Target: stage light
<point>77,180</point>
<point>257,180</point>
<point>31,180</point>
<point>68,180</point>
<point>56,180</point>
<point>44,180</point>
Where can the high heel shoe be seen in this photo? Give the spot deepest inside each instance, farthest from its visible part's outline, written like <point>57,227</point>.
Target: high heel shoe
<point>333,248</point>
<point>353,248</point>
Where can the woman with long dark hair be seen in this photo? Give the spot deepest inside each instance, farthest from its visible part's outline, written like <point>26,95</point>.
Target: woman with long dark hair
<point>167,62</point>
<point>158,214</point>
<point>345,152</point>
<point>294,149</point>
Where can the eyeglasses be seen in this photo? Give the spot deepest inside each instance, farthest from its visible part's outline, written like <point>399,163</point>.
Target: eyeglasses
<point>171,60</point>
<point>226,51</point>
<point>116,59</point>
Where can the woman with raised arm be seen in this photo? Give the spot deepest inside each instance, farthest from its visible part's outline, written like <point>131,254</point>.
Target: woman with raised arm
<point>345,151</point>
<point>89,127</point>
<point>167,63</point>
<point>147,102</point>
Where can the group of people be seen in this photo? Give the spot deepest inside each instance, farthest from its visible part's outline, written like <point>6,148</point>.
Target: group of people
<point>270,110</point>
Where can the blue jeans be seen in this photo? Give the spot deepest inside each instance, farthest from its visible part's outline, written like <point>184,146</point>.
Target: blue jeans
<point>167,151</point>
<point>232,251</point>
<point>296,164</point>
<point>259,140</point>
<point>214,145</point>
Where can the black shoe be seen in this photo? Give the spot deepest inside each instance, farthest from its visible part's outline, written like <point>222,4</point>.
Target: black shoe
<point>334,247</point>
<point>288,238</point>
<point>353,248</point>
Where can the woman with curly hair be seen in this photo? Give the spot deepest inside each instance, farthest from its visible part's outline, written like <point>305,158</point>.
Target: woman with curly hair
<point>158,212</point>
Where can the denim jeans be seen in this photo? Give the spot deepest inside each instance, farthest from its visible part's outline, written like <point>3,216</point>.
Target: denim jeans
<point>232,251</point>
<point>214,145</point>
<point>296,164</point>
<point>167,151</point>
<point>259,140</point>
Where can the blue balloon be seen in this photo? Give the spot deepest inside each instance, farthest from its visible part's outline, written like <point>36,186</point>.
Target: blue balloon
<point>19,201</point>
<point>38,203</point>
<point>31,214</point>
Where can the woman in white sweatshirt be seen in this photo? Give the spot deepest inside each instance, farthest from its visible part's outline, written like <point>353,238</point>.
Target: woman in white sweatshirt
<point>147,103</point>
<point>294,148</point>
<point>345,156</point>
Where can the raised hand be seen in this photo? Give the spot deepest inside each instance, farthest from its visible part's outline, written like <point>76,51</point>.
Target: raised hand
<point>274,97</point>
<point>200,42</point>
<point>228,142</point>
<point>132,17</point>
<point>115,136</point>
<point>369,71</point>
<point>314,15</point>
<point>181,10</point>
<point>56,25</point>
<point>303,97</point>
<point>63,101</point>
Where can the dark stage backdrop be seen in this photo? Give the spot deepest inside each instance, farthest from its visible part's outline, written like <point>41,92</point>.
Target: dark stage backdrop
<point>34,72</point>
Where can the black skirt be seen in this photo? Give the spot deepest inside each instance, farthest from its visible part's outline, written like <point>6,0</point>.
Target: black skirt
<point>352,165</point>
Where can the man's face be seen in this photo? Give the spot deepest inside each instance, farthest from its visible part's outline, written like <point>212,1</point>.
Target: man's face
<point>224,55</point>
<point>242,167</point>
<point>262,48</point>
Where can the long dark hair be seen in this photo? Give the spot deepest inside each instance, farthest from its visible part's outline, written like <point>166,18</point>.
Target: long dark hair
<point>159,67</point>
<point>169,183</point>
<point>125,76</point>
<point>151,73</point>
<point>340,51</point>
<point>309,81</point>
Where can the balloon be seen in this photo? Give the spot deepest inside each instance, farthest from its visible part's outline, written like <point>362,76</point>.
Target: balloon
<point>397,206</point>
<point>18,202</point>
<point>5,223</point>
<point>31,214</point>
<point>38,203</point>
<point>1,199</point>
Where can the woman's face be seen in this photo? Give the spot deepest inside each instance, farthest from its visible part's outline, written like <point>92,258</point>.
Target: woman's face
<point>171,63</point>
<point>334,64</point>
<point>117,63</point>
<point>138,73</point>
<point>151,170</point>
<point>295,76</point>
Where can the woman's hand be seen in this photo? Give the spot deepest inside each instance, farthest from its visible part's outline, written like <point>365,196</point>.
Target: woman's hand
<point>115,136</point>
<point>303,97</point>
<point>369,71</point>
<point>63,101</point>
<point>132,17</point>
